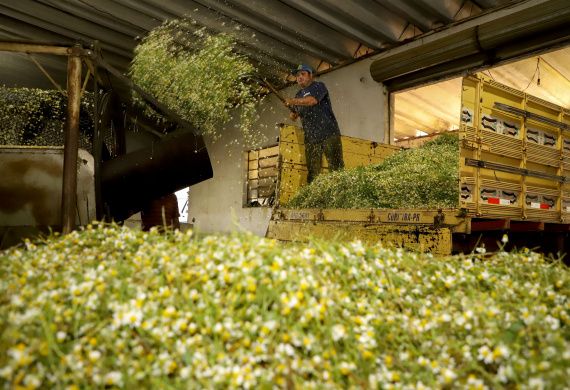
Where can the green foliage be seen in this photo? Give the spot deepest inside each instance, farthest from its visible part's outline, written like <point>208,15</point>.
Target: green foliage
<point>196,74</point>
<point>110,307</point>
<point>36,117</point>
<point>420,178</point>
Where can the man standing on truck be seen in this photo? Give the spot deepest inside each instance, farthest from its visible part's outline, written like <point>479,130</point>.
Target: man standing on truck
<point>322,134</point>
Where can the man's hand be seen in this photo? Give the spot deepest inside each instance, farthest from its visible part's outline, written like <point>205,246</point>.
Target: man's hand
<point>290,104</point>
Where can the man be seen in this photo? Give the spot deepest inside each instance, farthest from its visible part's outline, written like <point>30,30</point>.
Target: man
<point>322,134</point>
<point>160,212</point>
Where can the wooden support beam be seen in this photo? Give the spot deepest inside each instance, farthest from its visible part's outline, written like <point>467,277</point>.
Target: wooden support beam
<point>71,146</point>
<point>526,227</point>
<point>494,224</point>
<point>97,139</point>
<point>92,69</point>
<point>33,48</point>
<point>56,85</point>
<point>85,82</point>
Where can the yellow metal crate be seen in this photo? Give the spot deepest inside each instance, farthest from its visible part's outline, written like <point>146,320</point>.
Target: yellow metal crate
<point>514,155</point>
<point>276,173</point>
<point>293,169</point>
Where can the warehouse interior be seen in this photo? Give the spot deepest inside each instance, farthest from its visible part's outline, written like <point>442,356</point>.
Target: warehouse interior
<point>277,35</point>
<point>435,257</point>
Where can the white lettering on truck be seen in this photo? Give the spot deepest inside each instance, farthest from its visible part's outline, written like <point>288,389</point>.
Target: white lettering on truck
<point>403,217</point>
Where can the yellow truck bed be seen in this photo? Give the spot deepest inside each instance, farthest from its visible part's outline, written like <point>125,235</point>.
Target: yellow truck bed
<point>278,171</point>
<point>514,178</point>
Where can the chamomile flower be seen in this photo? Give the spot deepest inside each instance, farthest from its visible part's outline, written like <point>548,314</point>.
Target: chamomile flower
<point>338,332</point>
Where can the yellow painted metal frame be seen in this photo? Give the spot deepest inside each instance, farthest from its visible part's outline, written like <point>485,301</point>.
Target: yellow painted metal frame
<point>425,238</point>
<point>293,168</point>
<point>452,218</point>
<point>425,230</point>
<point>491,135</point>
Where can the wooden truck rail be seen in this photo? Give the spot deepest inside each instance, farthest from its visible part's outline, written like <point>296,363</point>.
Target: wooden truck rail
<point>273,175</point>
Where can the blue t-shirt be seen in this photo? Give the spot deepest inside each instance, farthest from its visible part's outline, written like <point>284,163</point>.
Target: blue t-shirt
<point>319,122</point>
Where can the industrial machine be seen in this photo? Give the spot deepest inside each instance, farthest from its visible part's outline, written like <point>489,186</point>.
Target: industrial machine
<point>62,187</point>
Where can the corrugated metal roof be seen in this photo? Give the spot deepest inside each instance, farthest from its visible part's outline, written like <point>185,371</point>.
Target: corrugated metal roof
<point>277,35</point>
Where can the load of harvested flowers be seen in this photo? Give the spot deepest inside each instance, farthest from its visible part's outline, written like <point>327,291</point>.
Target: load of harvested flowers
<point>196,74</point>
<point>110,307</point>
<point>36,117</point>
<point>420,178</point>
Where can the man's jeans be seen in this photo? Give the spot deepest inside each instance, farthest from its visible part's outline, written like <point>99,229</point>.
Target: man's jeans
<point>332,148</point>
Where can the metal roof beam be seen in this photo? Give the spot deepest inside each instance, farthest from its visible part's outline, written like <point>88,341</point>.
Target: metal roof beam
<point>150,9</point>
<point>443,11</point>
<point>86,12</point>
<point>32,32</point>
<point>123,13</point>
<point>259,45</point>
<point>416,15</point>
<point>63,24</point>
<point>262,25</point>
<point>381,22</point>
<point>68,22</point>
<point>486,4</point>
<point>340,23</point>
<point>296,23</point>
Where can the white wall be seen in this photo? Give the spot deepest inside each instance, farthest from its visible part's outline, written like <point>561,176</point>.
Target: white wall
<point>358,101</point>
<point>216,204</point>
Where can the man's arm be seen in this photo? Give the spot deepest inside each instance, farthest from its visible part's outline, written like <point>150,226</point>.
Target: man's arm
<point>307,101</point>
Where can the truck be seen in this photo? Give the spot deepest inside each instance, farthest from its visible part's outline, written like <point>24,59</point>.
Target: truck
<point>513,190</point>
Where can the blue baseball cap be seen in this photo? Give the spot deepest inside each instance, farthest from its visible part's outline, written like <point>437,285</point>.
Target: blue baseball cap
<point>302,67</point>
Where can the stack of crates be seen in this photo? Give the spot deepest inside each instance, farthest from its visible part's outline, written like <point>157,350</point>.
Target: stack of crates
<point>261,176</point>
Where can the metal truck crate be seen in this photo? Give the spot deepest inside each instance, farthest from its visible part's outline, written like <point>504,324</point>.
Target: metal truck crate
<point>276,173</point>
<point>513,161</point>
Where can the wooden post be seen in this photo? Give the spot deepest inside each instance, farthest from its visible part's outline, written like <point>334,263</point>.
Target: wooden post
<point>69,188</point>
